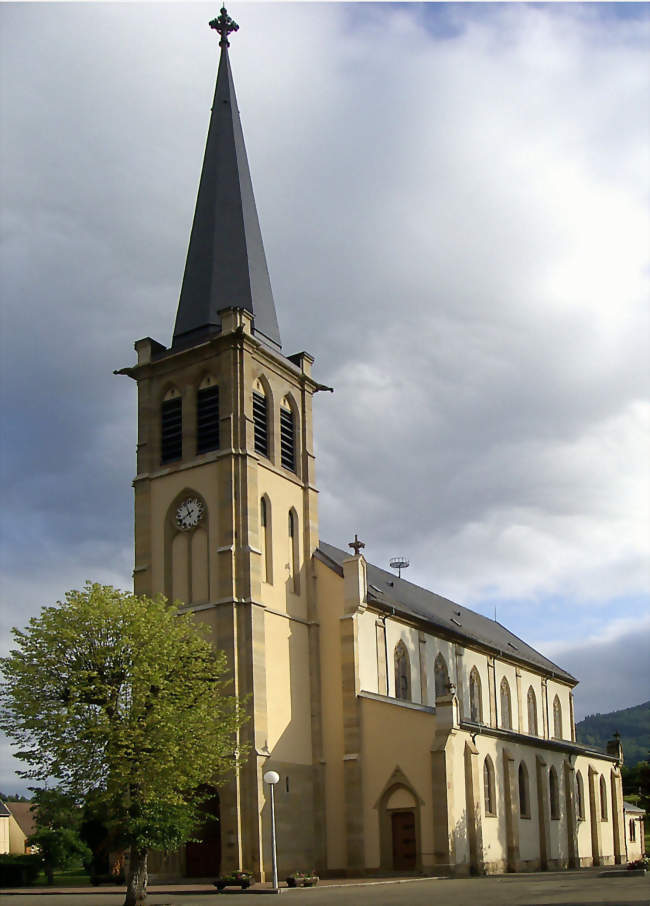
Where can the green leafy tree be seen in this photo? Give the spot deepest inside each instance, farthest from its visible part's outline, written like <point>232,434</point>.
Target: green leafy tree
<point>58,819</point>
<point>58,847</point>
<point>123,701</point>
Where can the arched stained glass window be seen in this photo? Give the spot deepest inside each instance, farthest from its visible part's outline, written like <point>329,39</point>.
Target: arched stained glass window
<point>580,797</point>
<point>442,676</point>
<point>475,697</point>
<point>524,791</point>
<point>402,672</point>
<point>532,711</point>
<point>489,792</point>
<point>506,705</point>
<point>554,793</point>
<point>557,718</point>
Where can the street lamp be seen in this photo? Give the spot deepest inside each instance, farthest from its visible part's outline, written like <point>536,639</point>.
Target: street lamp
<point>272,777</point>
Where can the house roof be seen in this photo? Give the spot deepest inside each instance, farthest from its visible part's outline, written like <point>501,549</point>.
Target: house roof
<point>4,811</point>
<point>632,809</point>
<point>24,815</point>
<point>226,264</point>
<point>387,591</point>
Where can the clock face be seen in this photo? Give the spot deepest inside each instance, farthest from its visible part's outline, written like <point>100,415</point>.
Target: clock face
<point>189,513</point>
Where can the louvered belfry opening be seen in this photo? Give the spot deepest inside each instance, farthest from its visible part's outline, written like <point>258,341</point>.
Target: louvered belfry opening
<point>171,446</point>
<point>260,423</point>
<point>207,419</point>
<point>287,439</point>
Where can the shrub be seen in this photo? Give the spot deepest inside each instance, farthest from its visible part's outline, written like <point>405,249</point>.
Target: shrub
<point>19,871</point>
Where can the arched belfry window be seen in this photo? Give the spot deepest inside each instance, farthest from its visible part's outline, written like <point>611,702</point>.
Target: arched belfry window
<point>402,672</point>
<point>287,436</point>
<point>475,697</point>
<point>554,793</point>
<point>524,791</point>
<point>266,540</point>
<point>171,426</point>
<point>441,676</point>
<point>207,415</point>
<point>506,705</point>
<point>532,711</point>
<point>294,551</point>
<point>603,798</point>
<point>580,796</point>
<point>489,791</point>
<point>557,718</point>
<point>261,418</point>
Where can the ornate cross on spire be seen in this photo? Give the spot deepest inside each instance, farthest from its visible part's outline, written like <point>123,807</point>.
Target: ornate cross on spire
<point>224,25</point>
<point>356,545</point>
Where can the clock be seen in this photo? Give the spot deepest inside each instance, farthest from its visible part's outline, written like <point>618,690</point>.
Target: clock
<point>189,513</point>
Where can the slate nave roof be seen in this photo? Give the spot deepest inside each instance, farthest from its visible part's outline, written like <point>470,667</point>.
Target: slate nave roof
<point>387,591</point>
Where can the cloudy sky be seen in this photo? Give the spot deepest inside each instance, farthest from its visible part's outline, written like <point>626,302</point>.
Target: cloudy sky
<point>453,200</point>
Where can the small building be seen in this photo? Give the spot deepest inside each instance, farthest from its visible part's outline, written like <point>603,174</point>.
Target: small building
<point>634,831</point>
<point>17,823</point>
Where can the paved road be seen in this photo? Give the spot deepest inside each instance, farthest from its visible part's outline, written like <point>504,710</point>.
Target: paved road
<point>551,889</point>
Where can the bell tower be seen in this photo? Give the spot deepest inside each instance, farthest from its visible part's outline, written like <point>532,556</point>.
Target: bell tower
<point>225,502</point>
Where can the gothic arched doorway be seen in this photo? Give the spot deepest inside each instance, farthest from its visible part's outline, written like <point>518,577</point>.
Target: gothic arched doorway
<point>203,859</point>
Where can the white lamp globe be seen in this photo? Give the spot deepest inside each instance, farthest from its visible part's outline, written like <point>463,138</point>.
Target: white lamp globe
<point>271,777</point>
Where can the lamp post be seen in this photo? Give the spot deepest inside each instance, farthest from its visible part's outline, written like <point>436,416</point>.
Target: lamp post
<point>272,777</point>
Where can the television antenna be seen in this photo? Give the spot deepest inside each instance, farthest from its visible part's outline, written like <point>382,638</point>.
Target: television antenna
<point>399,563</point>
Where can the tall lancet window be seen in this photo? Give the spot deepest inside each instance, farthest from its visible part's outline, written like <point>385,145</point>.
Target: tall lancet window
<point>171,427</point>
<point>524,791</point>
<point>554,793</point>
<point>207,416</point>
<point>506,705</point>
<point>532,711</point>
<point>557,718</point>
<point>489,792</point>
<point>580,796</point>
<point>266,540</point>
<point>442,676</point>
<point>261,419</point>
<point>294,552</point>
<point>603,798</point>
<point>402,672</point>
<point>475,697</point>
<point>287,436</point>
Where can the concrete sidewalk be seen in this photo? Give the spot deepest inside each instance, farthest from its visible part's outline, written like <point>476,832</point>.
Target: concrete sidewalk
<point>575,888</point>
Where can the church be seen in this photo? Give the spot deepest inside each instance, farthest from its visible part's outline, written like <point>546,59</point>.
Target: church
<point>410,733</point>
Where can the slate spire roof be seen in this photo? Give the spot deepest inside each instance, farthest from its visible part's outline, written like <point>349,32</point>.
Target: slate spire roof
<point>226,265</point>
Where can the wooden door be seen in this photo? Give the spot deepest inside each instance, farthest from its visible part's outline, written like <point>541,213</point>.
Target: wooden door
<point>203,858</point>
<point>404,851</point>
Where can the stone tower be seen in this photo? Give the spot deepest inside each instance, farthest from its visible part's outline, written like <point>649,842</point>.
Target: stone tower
<point>225,503</point>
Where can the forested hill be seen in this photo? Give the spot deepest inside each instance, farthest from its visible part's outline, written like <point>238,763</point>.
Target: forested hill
<point>632,723</point>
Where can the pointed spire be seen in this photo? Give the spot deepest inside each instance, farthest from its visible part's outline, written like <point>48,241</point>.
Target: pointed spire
<point>226,265</point>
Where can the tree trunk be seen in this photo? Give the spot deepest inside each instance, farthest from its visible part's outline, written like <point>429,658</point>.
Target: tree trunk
<point>136,889</point>
<point>49,873</point>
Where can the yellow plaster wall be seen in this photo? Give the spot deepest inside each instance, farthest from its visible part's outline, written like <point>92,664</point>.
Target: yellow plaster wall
<point>528,678</point>
<point>164,489</point>
<point>330,609</point>
<point>469,660</point>
<point>562,691</point>
<point>284,494</point>
<point>16,838</point>
<point>4,834</point>
<point>368,654</point>
<point>393,736</point>
<point>396,632</point>
<point>287,689</point>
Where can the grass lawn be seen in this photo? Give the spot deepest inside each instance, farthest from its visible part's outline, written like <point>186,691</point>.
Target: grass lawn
<point>71,877</point>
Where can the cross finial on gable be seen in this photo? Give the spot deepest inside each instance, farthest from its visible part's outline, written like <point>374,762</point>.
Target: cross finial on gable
<point>224,25</point>
<point>356,545</point>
